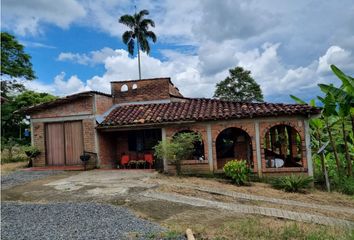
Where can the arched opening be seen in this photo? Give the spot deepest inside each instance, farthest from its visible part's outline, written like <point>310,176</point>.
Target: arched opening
<point>198,153</point>
<point>282,147</point>
<point>135,86</point>
<point>124,88</point>
<point>233,144</point>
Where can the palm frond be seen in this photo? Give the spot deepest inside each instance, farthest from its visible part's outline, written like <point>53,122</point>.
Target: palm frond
<point>143,12</point>
<point>151,35</point>
<point>131,45</point>
<point>127,36</point>
<point>144,44</point>
<point>127,20</point>
<point>146,22</point>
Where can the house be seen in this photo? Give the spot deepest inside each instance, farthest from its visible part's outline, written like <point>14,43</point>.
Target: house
<point>273,138</point>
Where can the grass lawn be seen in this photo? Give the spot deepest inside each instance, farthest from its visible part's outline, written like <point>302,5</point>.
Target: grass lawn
<point>220,226</point>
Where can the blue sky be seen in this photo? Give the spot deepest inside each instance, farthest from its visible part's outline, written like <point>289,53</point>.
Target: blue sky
<point>287,45</point>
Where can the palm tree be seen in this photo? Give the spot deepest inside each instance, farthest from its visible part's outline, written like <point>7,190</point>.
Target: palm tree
<point>139,31</point>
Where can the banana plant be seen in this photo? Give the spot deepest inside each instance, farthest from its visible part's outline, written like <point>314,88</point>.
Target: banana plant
<point>329,113</point>
<point>316,125</point>
<point>344,106</point>
<point>344,94</point>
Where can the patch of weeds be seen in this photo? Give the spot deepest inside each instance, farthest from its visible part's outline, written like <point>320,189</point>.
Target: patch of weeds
<point>172,235</point>
<point>292,232</point>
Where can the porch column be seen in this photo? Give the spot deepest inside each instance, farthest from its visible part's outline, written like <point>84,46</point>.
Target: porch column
<point>163,138</point>
<point>32,133</point>
<point>258,149</point>
<point>308,148</point>
<point>210,148</point>
<point>97,150</point>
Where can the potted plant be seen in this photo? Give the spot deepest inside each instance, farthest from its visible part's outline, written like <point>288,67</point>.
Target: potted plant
<point>31,152</point>
<point>85,158</point>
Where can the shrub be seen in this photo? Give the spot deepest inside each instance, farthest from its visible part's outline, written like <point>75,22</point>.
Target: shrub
<point>344,185</point>
<point>177,148</point>
<point>31,151</point>
<point>292,183</point>
<point>238,171</point>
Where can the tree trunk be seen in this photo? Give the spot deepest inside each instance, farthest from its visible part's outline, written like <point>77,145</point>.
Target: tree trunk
<point>334,147</point>
<point>323,165</point>
<point>139,58</point>
<point>347,156</point>
<point>352,120</point>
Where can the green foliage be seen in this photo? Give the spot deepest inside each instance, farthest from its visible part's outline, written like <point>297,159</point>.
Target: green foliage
<point>139,32</point>
<point>31,151</point>
<point>238,171</point>
<point>15,64</point>
<point>292,183</point>
<point>344,185</point>
<point>13,123</point>
<point>336,125</point>
<point>239,86</point>
<point>177,148</point>
<point>11,151</point>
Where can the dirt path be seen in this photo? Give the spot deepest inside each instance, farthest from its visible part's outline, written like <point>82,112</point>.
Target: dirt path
<point>238,195</point>
<point>248,209</point>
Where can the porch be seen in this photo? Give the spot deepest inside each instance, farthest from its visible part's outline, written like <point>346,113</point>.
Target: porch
<point>129,149</point>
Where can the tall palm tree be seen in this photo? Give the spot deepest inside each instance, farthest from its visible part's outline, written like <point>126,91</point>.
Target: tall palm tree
<point>139,31</point>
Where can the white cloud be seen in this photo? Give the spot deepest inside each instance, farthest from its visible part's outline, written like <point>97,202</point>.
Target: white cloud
<point>287,45</point>
<point>335,55</point>
<point>27,17</point>
<point>188,72</point>
<point>60,86</point>
<point>93,58</point>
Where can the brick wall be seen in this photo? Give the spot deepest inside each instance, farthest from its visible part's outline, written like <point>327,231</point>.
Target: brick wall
<point>147,90</point>
<point>106,142</point>
<point>39,142</point>
<point>103,103</point>
<point>249,127</point>
<point>75,107</point>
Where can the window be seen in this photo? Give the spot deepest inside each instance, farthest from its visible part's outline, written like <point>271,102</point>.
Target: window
<point>144,140</point>
<point>282,147</point>
<point>124,88</point>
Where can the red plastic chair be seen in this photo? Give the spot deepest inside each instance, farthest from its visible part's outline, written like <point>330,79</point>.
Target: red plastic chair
<point>124,160</point>
<point>148,157</point>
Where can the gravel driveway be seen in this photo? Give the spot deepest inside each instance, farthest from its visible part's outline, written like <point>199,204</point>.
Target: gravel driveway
<point>72,221</point>
<point>19,177</point>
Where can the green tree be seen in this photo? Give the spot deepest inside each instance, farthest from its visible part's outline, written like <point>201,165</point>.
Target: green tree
<point>15,65</point>
<point>176,149</point>
<point>139,33</point>
<point>12,121</point>
<point>239,86</point>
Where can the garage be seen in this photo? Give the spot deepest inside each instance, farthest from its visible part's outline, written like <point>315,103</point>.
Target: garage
<point>64,143</point>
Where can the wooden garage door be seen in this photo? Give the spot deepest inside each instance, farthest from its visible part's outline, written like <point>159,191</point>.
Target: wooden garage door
<point>74,145</point>
<point>55,144</point>
<point>64,143</point>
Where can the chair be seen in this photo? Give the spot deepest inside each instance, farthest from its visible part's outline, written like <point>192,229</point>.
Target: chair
<point>148,157</point>
<point>124,161</point>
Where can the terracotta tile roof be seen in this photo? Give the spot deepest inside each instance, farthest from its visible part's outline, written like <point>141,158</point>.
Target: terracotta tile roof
<point>199,110</point>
